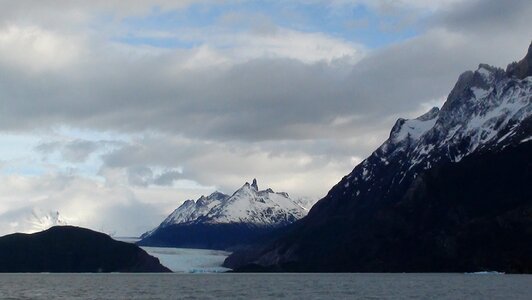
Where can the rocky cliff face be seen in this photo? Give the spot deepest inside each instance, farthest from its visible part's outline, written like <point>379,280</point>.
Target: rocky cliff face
<point>361,224</point>
<point>523,68</point>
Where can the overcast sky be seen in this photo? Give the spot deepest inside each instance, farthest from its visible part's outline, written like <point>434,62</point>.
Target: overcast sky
<point>115,112</point>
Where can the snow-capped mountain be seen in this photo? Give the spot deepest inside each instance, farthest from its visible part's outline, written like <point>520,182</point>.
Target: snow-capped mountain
<point>483,112</point>
<point>30,219</point>
<point>306,202</point>
<point>258,207</point>
<point>257,210</point>
<point>191,211</point>
<point>366,221</point>
<point>488,109</point>
<point>247,205</point>
<point>41,220</point>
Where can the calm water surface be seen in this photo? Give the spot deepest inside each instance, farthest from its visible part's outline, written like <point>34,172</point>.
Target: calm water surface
<point>264,286</point>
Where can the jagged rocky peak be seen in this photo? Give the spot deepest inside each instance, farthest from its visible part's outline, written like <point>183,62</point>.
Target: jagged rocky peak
<point>433,182</point>
<point>259,207</point>
<point>190,202</point>
<point>205,200</point>
<point>254,184</point>
<point>219,221</point>
<point>191,210</point>
<point>430,115</point>
<point>253,189</point>
<point>482,112</point>
<point>413,129</point>
<point>248,204</point>
<point>523,68</point>
<point>470,84</point>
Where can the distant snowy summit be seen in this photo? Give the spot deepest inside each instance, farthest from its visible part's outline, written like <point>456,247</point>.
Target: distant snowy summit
<point>220,221</point>
<point>30,220</point>
<point>41,220</point>
<point>247,205</point>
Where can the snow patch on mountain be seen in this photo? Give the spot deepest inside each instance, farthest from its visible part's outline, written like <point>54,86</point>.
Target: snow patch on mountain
<point>414,129</point>
<point>247,205</point>
<point>262,208</point>
<point>392,200</point>
<point>484,111</point>
<point>192,210</point>
<point>305,202</point>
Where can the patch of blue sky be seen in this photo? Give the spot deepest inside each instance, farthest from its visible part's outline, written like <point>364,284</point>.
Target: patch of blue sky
<point>55,163</point>
<point>161,28</point>
<point>355,23</point>
<point>158,42</point>
<point>17,146</point>
<point>19,154</point>
<point>23,169</point>
<point>68,132</point>
<point>32,163</point>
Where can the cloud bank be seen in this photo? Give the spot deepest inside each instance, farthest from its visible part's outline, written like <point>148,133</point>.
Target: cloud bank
<point>127,119</point>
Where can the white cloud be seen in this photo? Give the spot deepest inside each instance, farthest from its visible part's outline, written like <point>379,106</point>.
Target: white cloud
<point>295,109</point>
<point>35,49</point>
<point>86,202</point>
<point>226,166</point>
<point>387,5</point>
<point>113,201</point>
<point>284,43</point>
<point>223,46</point>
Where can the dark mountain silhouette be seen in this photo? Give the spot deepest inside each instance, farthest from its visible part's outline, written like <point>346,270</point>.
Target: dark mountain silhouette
<point>69,249</point>
<point>450,191</point>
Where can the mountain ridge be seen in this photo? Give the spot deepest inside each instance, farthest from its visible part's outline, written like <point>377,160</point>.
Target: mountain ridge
<point>487,111</point>
<point>246,214</point>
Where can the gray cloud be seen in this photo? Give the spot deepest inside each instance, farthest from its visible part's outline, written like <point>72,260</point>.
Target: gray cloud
<point>264,99</point>
<point>48,147</point>
<point>489,16</point>
<point>261,108</point>
<point>139,175</point>
<point>167,178</point>
<point>300,167</point>
<point>79,150</point>
<point>80,202</point>
<point>144,176</point>
<point>199,114</point>
<point>74,151</point>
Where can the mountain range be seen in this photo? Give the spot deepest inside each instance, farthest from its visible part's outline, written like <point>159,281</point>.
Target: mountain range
<point>221,221</point>
<point>449,191</point>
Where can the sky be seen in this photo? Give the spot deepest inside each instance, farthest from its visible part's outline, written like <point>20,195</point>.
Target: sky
<point>115,112</point>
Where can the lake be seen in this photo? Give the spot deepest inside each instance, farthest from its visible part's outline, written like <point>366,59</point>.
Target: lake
<point>264,286</point>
